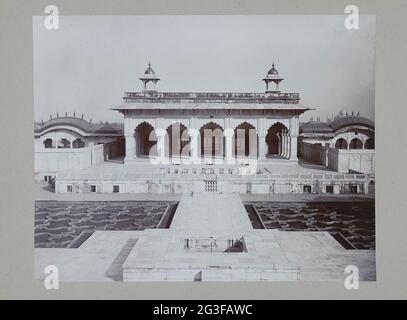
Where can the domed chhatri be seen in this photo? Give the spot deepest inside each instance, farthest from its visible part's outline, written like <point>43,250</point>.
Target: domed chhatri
<point>149,70</point>
<point>149,79</point>
<point>273,70</point>
<point>273,76</point>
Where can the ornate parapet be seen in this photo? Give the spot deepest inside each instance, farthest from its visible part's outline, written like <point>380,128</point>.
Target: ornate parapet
<point>227,97</point>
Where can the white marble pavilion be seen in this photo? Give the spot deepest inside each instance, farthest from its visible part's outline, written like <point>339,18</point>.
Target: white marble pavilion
<point>222,125</point>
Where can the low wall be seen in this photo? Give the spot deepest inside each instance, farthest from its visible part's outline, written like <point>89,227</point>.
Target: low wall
<point>262,183</point>
<point>356,161</point>
<point>340,160</point>
<point>50,161</point>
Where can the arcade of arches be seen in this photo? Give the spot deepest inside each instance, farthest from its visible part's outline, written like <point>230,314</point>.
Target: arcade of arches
<point>278,140</point>
<point>212,141</point>
<point>355,143</point>
<point>63,143</point>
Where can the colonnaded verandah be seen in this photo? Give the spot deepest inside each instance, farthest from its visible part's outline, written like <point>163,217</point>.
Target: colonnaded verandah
<point>222,125</point>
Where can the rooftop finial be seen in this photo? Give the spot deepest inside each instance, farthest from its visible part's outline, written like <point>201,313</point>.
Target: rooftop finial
<point>273,64</point>
<point>149,64</point>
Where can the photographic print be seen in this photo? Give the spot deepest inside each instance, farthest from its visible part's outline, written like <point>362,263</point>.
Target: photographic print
<point>204,148</point>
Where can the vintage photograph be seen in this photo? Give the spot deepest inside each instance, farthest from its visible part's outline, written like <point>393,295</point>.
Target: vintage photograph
<point>204,148</point>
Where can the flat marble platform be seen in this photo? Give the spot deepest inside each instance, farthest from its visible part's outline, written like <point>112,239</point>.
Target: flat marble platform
<point>271,254</point>
<point>161,254</point>
<point>211,218</point>
<point>211,213</point>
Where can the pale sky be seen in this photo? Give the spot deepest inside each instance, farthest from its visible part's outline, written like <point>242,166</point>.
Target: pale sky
<point>88,63</point>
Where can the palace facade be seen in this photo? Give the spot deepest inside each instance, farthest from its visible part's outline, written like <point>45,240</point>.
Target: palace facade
<point>222,125</point>
<point>181,142</point>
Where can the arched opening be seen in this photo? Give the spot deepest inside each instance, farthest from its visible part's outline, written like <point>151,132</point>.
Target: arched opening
<point>212,140</point>
<point>78,143</point>
<point>48,143</point>
<point>369,144</point>
<point>356,144</point>
<point>273,139</point>
<point>177,140</point>
<point>146,139</point>
<point>341,144</point>
<point>245,141</point>
<point>64,144</point>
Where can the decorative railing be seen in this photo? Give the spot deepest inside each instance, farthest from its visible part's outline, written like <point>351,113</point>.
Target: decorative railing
<point>128,96</point>
<point>191,174</point>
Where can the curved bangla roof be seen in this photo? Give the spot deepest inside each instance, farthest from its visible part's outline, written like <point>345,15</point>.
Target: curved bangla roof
<point>338,123</point>
<point>341,122</point>
<point>68,121</point>
<point>315,127</point>
<point>81,124</point>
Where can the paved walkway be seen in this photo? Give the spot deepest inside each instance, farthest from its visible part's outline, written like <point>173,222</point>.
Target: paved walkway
<point>215,213</point>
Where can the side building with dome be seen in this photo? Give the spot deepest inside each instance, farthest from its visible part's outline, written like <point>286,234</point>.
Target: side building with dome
<point>345,143</point>
<point>69,143</point>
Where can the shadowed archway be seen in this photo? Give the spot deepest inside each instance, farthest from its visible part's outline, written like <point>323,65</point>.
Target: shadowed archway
<point>48,143</point>
<point>341,144</point>
<point>212,140</point>
<point>369,144</point>
<point>245,142</point>
<point>146,140</point>
<point>78,143</point>
<point>177,140</point>
<point>272,139</point>
<point>356,143</point>
<point>64,143</point>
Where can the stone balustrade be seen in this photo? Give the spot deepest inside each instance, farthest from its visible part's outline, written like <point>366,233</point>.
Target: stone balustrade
<point>222,96</point>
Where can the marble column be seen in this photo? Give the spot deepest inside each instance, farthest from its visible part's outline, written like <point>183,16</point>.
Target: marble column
<point>262,147</point>
<point>194,146</point>
<point>130,141</point>
<point>136,145</point>
<point>285,143</point>
<point>161,158</point>
<point>229,133</point>
<point>294,129</point>
<point>288,146</point>
<point>293,148</point>
<point>253,144</point>
<point>261,131</point>
<point>283,138</point>
<point>279,137</point>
